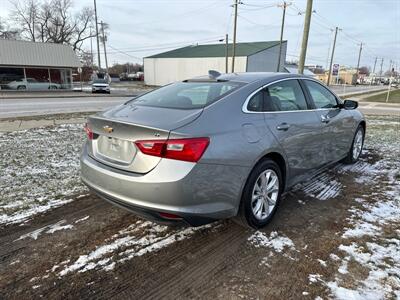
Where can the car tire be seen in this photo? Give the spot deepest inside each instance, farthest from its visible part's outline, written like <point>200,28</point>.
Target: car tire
<point>21,87</point>
<point>356,146</point>
<point>252,195</point>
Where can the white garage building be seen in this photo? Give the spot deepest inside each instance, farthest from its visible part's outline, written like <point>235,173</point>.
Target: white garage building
<point>197,60</point>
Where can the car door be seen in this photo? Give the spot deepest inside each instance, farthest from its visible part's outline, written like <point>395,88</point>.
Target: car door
<point>336,122</point>
<point>32,84</point>
<point>295,125</point>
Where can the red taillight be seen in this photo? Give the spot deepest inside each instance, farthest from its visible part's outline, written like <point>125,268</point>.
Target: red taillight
<point>180,149</point>
<point>88,131</point>
<point>170,216</point>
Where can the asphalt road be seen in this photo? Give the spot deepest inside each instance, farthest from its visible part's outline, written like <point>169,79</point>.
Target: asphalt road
<point>25,106</point>
<point>44,106</point>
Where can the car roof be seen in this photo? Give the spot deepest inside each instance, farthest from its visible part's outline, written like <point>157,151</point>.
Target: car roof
<point>249,77</point>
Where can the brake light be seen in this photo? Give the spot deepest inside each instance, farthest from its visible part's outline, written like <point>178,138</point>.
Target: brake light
<point>88,131</point>
<point>180,149</point>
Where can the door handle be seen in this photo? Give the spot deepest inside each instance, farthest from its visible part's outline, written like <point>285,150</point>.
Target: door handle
<point>325,119</point>
<point>283,126</point>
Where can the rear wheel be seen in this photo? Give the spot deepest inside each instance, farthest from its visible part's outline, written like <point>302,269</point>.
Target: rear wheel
<point>21,87</point>
<point>356,146</point>
<point>261,195</point>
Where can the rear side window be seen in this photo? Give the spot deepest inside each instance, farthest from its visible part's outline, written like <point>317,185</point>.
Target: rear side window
<point>285,96</point>
<point>321,96</point>
<point>187,95</point>
<point>256,102</point>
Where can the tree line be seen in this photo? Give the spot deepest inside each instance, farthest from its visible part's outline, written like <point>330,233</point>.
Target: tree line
<point>48,21</point>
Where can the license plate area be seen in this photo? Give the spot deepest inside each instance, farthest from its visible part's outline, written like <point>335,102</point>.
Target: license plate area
<point>115,150</point>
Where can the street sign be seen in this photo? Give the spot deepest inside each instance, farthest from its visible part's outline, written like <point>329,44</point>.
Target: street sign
<point>79,70</point>
<point>335,69</point>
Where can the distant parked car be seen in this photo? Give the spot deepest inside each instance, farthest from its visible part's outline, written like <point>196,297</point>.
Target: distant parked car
<point>221,146</point>
<point>100,86</point>
<point>32,84</point>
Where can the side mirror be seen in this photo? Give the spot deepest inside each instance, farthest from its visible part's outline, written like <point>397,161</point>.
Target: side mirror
<point>350,104</point>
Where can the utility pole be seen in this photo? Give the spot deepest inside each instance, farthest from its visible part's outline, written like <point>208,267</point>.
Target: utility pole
<point>332,54</point>
<point>358,63</point>
<point>306,31</point>
<point>381,72</point>
<point>97,35</point>
<point>359,57</point>
<point>91,48</point>
<point>373,72</point>
<point>284,5</point>
<point>234,35</point>
<point>104,44</point>
<point>226,53</point>
<point>376,59</point>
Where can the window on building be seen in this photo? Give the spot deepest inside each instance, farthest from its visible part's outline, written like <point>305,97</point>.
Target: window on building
<point>11,78</point>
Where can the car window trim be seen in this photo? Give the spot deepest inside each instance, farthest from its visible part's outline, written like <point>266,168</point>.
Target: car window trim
<point>244,106</point>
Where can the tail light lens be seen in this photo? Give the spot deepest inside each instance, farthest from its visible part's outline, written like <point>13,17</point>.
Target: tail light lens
<point>88,131</point>
<point>170,216</point>
<point>179,149</point>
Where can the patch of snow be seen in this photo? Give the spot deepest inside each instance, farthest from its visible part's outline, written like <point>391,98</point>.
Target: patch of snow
<point>322,262</point>
<point>274,241</point>
<point>322,187</point>
<point>138,239</point>
<point>24,214</point>
<point>47,229</point>
<point>343,267</point>
<point>14,262</point>
<point>82,219</point>
<point>334,257</point>
<point>313,278</point>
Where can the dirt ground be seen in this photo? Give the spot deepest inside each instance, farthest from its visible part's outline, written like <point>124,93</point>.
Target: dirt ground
<point>335,236</point>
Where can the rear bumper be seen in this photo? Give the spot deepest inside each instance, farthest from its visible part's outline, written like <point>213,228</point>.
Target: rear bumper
<point>199,193</point>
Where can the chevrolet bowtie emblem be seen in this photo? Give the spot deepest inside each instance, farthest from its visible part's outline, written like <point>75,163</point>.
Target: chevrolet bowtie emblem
<point>108,129</point>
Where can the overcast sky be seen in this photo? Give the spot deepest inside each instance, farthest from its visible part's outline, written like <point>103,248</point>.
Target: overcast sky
<point>139,28</point>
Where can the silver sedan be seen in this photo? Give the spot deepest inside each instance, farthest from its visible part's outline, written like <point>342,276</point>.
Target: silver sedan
<point>218,146</point>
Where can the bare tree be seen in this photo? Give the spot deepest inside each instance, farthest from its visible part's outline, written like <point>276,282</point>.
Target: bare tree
<point>25,17</point>
<point>6,32</point>
<point>53,21</point>
<point>364,70</point>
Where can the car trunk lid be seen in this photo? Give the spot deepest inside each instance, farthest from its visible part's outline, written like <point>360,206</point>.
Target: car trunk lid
<point>116,130</point>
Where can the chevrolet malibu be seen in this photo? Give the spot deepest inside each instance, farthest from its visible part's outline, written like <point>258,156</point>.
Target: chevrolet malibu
<point>218,146</point>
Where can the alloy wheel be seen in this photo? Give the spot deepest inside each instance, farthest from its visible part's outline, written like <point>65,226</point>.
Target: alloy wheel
<point>265,194</point>
<point>358,143</point>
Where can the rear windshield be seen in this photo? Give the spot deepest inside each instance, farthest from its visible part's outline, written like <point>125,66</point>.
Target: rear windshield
<point>187,95</point>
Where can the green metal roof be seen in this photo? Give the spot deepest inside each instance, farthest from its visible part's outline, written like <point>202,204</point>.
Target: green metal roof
<point>216,50</point>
